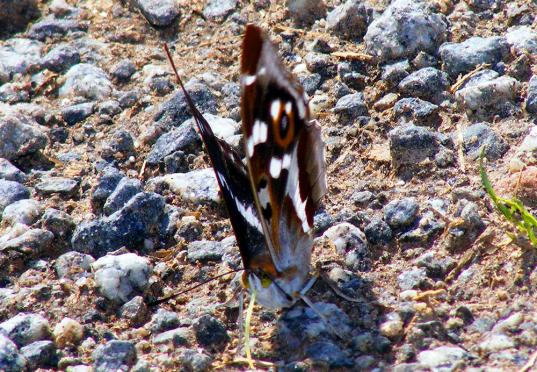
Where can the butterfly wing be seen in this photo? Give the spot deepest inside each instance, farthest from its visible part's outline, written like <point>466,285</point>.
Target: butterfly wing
<point>284,152</point>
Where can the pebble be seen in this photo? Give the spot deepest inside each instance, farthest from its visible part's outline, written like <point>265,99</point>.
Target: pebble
<point>306,12</point>
<point>418,111</point>
<point>460,58</point>
<point>392,329</point>
<point>129,227</point>
<point>353,74</point>
<point>158,12</point>
<point>114,356</point>
<point>61,58</point>
<point>405,28</point>
<point>205,251</point>
<point>386,102</point>
<point>20,136</point>
<point>413,279</point>
<point>25,211</point>
<point>318,63</point>
<point>164,320</point>
<point>395,72</point>
<point>18,56</point>
<point>14,93</point>
<point>9,172</point>
<point>198,186</point>
<point>218,10</point>
<point>135,311</point>
<point>348,108</point>
<point>10,358</point>
<point>511,323</point>
<point>129,98</point>
<point>444,358</point>
<point>378,232</point>
<point>41,354</point>
<point>410,144</point>
<point>176,337</point>
<point>88,81</point>
<point>491,98</point>
<point>350,242</point>
<point>310,83</point>
<point>112,108</point>
<point>401,213</point>
<point>16,15</point>
<point>57,222</point>
<point>25,328</point>
<point>123,70</point>
<point>328,353</point>
<point>61,9</point>
<point>57,185</point>
<point>52,27</point>
<point>124,191</point>
<point>119,278</point>
<point>77,113</point>
<point>183,138</point>
<point>427,83</point>
<point>531,98</point>
<point>195,360</point>
<point>68,332</point>
<point>349,20</point>
<point>522,38</point>
<point>73,265</point>
<point>496,342</point>
<point>10,192</point>
<point>478,135</point>
<point>107,182</point>
<point>210,332</point>
<point>32,241</point>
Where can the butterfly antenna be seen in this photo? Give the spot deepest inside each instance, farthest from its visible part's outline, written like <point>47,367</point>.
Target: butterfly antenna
<point>167,298</point>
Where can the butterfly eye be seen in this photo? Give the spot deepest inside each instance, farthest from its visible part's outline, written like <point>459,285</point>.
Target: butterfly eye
<point>265,279</point>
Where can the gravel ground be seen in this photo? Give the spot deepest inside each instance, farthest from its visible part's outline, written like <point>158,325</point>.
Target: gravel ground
<point>107,200</point>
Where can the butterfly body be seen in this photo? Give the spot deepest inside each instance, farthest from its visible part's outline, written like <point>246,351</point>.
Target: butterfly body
<point>272,198</point>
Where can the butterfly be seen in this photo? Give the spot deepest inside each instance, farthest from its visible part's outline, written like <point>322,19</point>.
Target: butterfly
<point>271,200</point>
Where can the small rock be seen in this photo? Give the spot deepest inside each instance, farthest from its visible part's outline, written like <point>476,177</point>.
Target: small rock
<point>119,278</point>
<point>20,136</point>
<point>427,83</point>
<point>306,12</point>
<point>106,184</point>
<point>57,222</point>
<point>15,16</point>
<point>386,102</point>
<point>125,190</point>
<point>490,98</point>
<point>10,192</point>
<point>25,211</point>
<point>350,107</point>
<point>158,12</point>
<point>135,311</point>
<point>18,56</point>
<point>511,323</point>
<point>40,354</point>
<point>205,251</point>
<point>460,58</point>
<point>405,28</point>
<point>73,265</point>
<point>129,98</point>
<point>218,10</point>
<point>114,356</point>
<point>57,185</point>
<point>68,332</point>
<point>496,342</point>
<point>329,354</point>
<point>413,279</point>
<point>9,172</point>
<point>349,20</point>
<point>61,9</point>
<point>410,144</point>
<point>164,320</point>
<point>522,38</point>
<point>111,108</point>
<point>351,242</point>
<point>531,99</point>
<point>378,232</point>
<point>120,144</point>
<point>443,358</point>
<point>52,27</point>
<point>14,93</point>
<point>318,63</point>
<point>127,227</point>
<point>395,72</point>
<point>478,135</point>
<point>23,329</point>
<point>161,85</point>
<point>392,329</point>
<point>10,358</point>
<point>401,213</point>
<point>33,242</point>
<point>195,360</point>
<point>198,186</point>
<point>77,113</point>
<point>175,337</point>
<point>61,58</point>
<point>353,74</point>
<point>86,80</point>
<point>183,138</point>
<point>417,111</point>
<point>123,70</point>
<point>310,83</point>
<point>210,332</point>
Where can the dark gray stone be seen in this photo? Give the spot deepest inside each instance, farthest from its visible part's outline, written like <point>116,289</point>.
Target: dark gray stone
<point>110,107</point>
<point>114,356</point>
<point>125,190</point>
<point>123,70</point>
<point>52,27</point>
<point>127,227</point>
<point>329,354</point>
<point>73,265</point>
<point>164,320</point>
<point>205,251</point>
<point>350,107</point>
<point>306,12</point>
<point>321,64</point>
<point>352,75</point>
<point>410,144</point>
<point>59,223</point>
<point>106,184</point>
<point>121,142</point>
<point>350,242</point>
<point>57,185</point>
<point>427,83</point>
<point>158,12</point>
<point>175,337</point>
<point>423,60</point>
<point>378,232</point>
<point>76,113</point>
<point>86,80</point>
<point>322,221</point>
<point>405,28</point>
<point>183,138</point>
<point>478,135</point>
<point>16,15</point>
<point>413,279</point>
<point>401,213</point>
<point>135,311</point>
<point>161,85</point>
<point>310,83</point>
<point>61,58</point>
<point>23,329</point>
<point>349,20</point>
<point>128,99</point>
<point>10,192</point>
<point>9,172</point>
<point>395,72</point>
<point>195,360</point>
<point>176,162</point>
<point>218,10</point>
<point>460,58</point>
<point>41,354</point>
<point>10,358</point>
<point>531,99</point>
<point>20,136</point>
<point>210,332</point>
<point>417,111</point>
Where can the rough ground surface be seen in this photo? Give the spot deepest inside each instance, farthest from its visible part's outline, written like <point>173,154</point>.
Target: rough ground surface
<point>406,94</point>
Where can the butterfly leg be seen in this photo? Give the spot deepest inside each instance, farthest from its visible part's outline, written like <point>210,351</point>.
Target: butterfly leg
<point>240,322</point>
